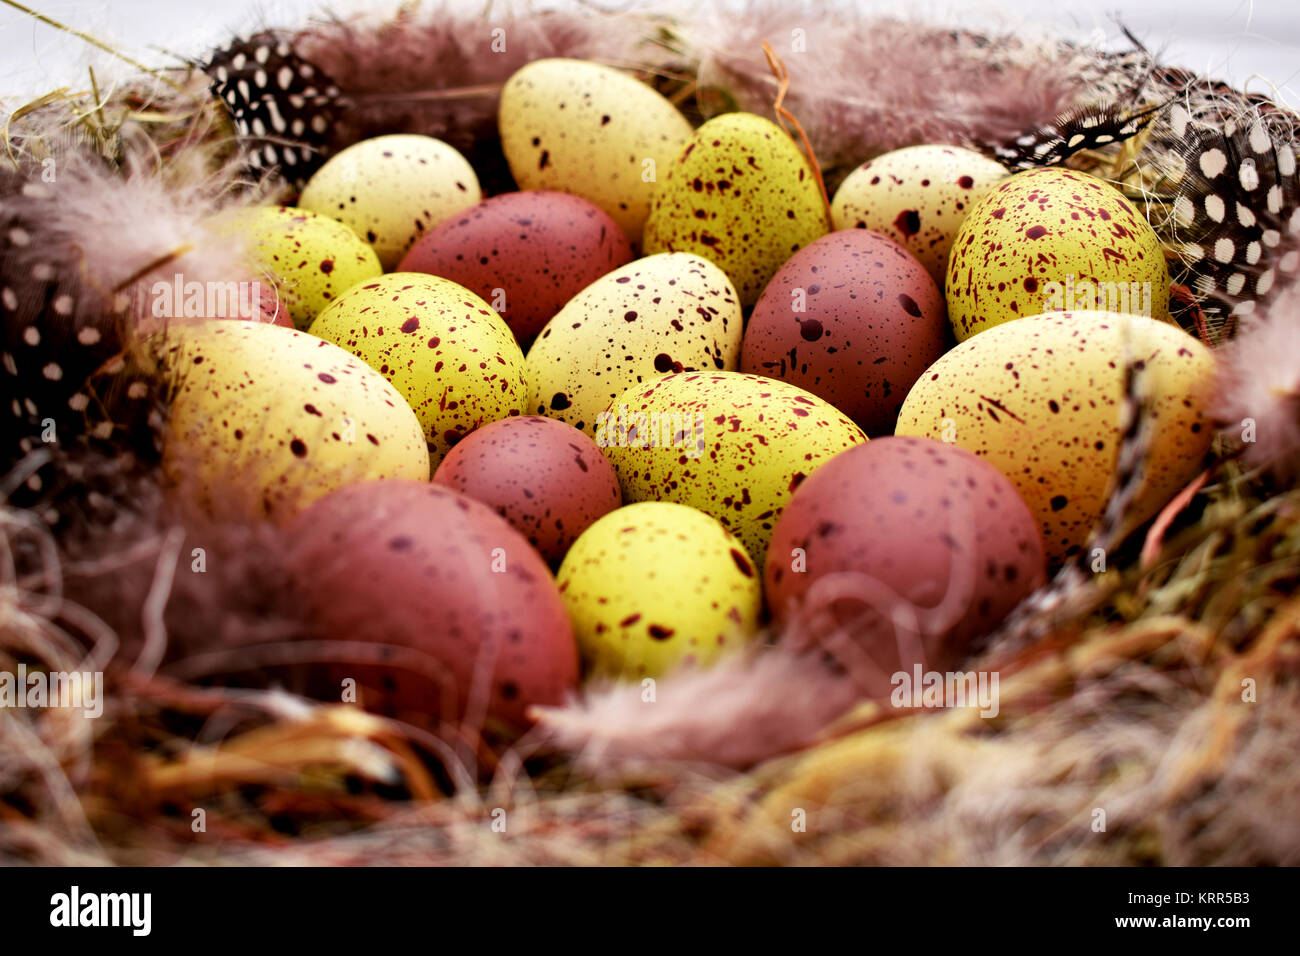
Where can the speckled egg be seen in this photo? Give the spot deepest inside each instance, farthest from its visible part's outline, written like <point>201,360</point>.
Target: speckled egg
<point>1041,399</point>
<point>655,585</point>
<point>393,189</point>
<point>546,478</point>
<point>310,259</point>
<point>525,253</point>
<point>443,348</point>
<point>269,419</point>
<point>918,196</point>
<point>463,615</point>
<point>590,130</point>
<point>944,531</point>
<point>742,195</point>
<point>1050,240</point>
<point>852,318</point>
<point>735,446</point>
<point>667,313</point>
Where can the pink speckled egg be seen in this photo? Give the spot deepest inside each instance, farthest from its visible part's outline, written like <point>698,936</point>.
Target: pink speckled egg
<point>525,253</point>
<point>549,480</point>
<point>853,318</point>
<point>904,526</point>
<point>463,612</point>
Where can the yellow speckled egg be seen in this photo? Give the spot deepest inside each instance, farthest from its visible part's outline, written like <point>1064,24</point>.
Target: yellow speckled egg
<point>392,189</point>
<point>735,446</point>
<point>590,130</point>
<point>740,194</point>
<point>271,418</point>
<point>918,196</point>
<point>310,258</point>
<point>657,584</point>
<point>1040,398</point>
<point>444,349</point>
<point>666,313</point>
<point>1052,240</point>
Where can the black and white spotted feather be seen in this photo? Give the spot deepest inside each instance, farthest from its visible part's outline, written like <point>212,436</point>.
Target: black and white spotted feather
<point>282,105</point>
<point>1236,213</point>
<point>1083,128</point>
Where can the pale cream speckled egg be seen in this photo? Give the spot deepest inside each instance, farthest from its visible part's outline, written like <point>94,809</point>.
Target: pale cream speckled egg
<point>1040,399</point>
<point>666,313</point>
<point>918,196</point>
<point>391,190</point>
<point>590,130</point>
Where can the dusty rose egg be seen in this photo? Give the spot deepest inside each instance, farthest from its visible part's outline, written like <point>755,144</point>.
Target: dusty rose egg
<point>461,602</point>
<point>549,480</point>
<point>853,318</point>
<point>916,523</point>
<point>526,253</point>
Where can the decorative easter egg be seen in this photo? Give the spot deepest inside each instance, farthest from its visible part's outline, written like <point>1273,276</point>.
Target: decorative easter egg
<point>441,346</point>
<point>391,190</point>
<point>1041,399</point>
<point>1051,240</point>
<point>463,615</point>
<point>666,313</point>
<point>734,446</point>
<point>590,130</point>
<point>655,585</point>
<point>852,318</point>
<point>308,259</point>
<point>546,478</point>
<point>940,538</point>
<point>525,253</point>
<point>741,195</point>
<point>267,419</point>
<point>918,196</point>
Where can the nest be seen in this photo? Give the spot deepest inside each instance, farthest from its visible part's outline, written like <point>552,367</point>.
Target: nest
<point>1148,715</point>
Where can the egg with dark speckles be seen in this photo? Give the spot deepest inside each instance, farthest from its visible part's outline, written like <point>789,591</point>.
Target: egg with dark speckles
<point>666,313</point>
<point>525,253</point>
<point>463,615</point>
<point>546,478</point>
<point>444,349</point>
<point>741,195</point>
<point>734,446</point>
<point>943,531</point>
<point>590,130</point>
<point>269,419</point>
<point>1051,240</point>
<point>655,585</point>
<point>1041,398</point>
<point>852,318</point>
<point>392,189</point>
<point>309,259</point>
<point>918,196</point>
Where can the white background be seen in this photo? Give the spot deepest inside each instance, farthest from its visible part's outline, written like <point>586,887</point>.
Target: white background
<point>1256,44</point>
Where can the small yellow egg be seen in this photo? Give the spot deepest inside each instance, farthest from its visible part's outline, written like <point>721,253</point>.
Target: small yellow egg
<point>1052,240</point>
<point>918,196</point>
<point>443,348</point>
<point>1041,398</point>
<point>734,446</point>
<point>742,195</point>
<point>391,190</point>
<point>590,130</point>
<point>310,258</point>
<point>653,585</point>
<point>270,419</point>
<point>667,313</point>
